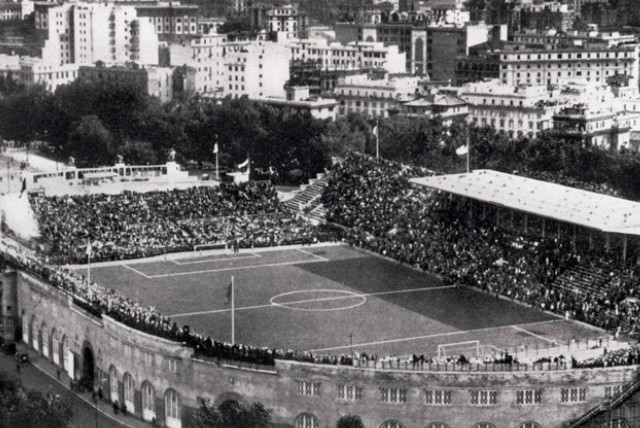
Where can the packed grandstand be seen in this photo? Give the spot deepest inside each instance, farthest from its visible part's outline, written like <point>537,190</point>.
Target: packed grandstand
<point>374,207</point>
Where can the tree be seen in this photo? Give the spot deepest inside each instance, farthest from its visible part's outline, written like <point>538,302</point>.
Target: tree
<point>91,142</point>
<point>350,421</point>
<point>25,408</point>
<point>231,414</point>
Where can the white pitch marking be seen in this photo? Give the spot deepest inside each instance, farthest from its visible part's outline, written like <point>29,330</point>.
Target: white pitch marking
<point>136,271</point>
<point>312,255</point>
<point>322,299</point>
<point>429,336</point>
<point>533,334</point>
<point>232,268</point>
<point>248,256</point>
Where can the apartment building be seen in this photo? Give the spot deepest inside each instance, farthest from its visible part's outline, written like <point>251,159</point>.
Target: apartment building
<point>516,110</point>
<point>352,56</point>
<point>84,33</point>
<point>171,20</point>
<point>154,81</point>
<point>256,69</point>
<point>375,95</point>
<point>289,19</point>
<point>205,55</point>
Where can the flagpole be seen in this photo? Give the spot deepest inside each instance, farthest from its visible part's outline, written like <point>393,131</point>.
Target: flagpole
<point>468,152</point>
<point>377,141</point>
<point>217,173</point>
<point>89,269</point>
<point>233,314</point>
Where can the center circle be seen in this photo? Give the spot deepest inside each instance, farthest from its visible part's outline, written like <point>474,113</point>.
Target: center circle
<point>322,296</point>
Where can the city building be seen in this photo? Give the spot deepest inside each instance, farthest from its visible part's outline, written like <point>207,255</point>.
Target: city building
<point>352,56</point>
<point>154,81</point>
<point>448,107</point>
<point>45,73</point>
<point>375,95</point>
<point>431,50</point>
<point>289,19</point>
<point>256,69</point>
<point>15,10</point>
<point>205,55</point>
<point>516,110</point>
<point>172,20</point>
<point>516,64</point>
<point>84,33</point>
<point>299,99</point>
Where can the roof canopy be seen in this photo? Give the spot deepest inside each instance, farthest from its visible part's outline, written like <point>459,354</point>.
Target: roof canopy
<point>562,203</point>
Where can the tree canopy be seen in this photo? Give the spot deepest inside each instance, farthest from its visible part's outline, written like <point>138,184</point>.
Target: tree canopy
<point>231,414</point>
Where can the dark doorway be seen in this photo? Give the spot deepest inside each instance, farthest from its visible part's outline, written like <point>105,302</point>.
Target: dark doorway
<point>88,369</point>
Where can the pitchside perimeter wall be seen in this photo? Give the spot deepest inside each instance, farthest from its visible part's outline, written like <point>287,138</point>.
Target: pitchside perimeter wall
<point>159,378</point>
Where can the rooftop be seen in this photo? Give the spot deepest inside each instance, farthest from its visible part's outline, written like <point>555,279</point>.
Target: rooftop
<point>562,203</point>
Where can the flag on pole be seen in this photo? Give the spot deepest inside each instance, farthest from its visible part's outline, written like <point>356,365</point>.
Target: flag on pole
<point>229,292</point>
<point>243,164</point>
<point>375,130</point>
<point>462,150</point>
<point>88,252</point>
<point>215,149</point>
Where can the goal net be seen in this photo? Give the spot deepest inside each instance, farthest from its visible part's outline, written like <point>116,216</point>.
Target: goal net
<point>198,249</point>
<point>470,349</point>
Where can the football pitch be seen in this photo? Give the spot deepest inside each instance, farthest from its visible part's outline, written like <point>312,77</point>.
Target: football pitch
<point>330,299</point>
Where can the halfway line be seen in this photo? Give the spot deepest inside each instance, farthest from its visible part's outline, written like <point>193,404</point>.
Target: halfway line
<point>322,299</point>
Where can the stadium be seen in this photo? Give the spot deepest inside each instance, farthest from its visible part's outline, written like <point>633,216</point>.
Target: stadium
<point>408,299</point>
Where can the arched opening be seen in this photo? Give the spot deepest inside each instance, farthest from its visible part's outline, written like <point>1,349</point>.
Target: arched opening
<point>113,384</point>
<point>129,393</point>
<point>45,339</point>
<point>26,333</point>
<point>33,334</point>
<point>419,56</point>
<point>65,355</point>
<point>391,424</point>
<point>530,425</point>
<point>437,425</point>
<point>369,39</point>
<point>307,420</point>
<point>88,368</point>
<point>172,409</point>
<point>55,347</point>
<point>148,401</point>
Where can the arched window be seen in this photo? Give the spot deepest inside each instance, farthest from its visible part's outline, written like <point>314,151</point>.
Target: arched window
<point>33,332</point>
<point>113,384</point>
<point>618,423</point>
<point>55,347</point>
<point>437,425</point>
<point>129,393</point>
<point>484,425</point>
<point>65,353</point>
<point>391,424</point>
<point>172,409</point>
<point>25,329</point>
<point>148,401</point>
<point>45,339</point>
<point>307,420</point>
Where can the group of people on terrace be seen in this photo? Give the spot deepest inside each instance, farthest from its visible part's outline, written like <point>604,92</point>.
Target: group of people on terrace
<point>134,225</point>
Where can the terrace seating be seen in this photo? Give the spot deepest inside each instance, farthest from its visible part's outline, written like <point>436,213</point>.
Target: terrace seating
<point>310,197</point>
<point>582,279</point>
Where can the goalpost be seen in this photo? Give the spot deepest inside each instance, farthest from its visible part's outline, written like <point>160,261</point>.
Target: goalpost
<point>470,349</point>
<point>212,246</point>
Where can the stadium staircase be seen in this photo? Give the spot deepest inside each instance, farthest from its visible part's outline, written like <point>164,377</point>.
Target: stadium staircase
<point>582,280</point>
<point>627,391</point>
<point>308,200</point>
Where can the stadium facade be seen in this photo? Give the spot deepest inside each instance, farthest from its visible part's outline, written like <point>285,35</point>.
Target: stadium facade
<point>164,380</point>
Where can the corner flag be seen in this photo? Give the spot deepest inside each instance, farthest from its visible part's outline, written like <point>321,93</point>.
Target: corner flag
<point>462,150</point>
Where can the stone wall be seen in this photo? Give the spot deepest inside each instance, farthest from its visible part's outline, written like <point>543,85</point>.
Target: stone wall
<point>300,394</point>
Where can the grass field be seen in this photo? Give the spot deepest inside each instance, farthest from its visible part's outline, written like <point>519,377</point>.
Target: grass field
<point>323,298</point>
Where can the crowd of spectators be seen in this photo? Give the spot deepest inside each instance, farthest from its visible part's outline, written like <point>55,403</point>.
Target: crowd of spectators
<point>134,225</point>
<point>385,213</point>
<point>380,211</point>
